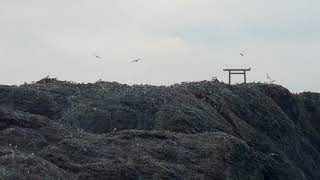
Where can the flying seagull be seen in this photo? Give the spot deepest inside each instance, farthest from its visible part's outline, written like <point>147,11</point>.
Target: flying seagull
<point>98,57</point>
<point>136,60</point>
<point>242,53</point>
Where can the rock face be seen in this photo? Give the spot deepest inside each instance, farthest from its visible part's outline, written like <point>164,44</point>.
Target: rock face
<point>200,130</point>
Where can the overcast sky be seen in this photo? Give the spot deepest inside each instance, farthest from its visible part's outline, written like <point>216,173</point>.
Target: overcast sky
<point>178,40</point>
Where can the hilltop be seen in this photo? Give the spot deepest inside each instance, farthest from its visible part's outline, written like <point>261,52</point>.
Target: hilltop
<point>54,129</point>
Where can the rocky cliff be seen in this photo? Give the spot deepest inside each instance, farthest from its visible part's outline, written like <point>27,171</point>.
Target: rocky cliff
<point>198,130</point>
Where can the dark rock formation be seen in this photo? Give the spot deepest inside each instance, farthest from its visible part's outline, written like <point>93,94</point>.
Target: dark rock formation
<point>201,130</point>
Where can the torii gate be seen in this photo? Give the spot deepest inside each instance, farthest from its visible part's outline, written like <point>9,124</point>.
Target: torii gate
<point>238,71</point>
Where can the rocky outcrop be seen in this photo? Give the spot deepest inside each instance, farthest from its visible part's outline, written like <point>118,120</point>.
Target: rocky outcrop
<point>199,130</point>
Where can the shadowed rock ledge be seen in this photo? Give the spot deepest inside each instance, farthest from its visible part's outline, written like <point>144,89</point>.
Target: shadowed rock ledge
<point>199,130</point>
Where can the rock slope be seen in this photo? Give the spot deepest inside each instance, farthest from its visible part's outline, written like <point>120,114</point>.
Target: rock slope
<point>199,130</point>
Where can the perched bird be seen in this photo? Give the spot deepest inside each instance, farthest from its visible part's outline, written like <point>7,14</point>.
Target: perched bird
<point>241,54</point>
<point>136,60</point>
<point>268,77</point>
<point>273,154</point>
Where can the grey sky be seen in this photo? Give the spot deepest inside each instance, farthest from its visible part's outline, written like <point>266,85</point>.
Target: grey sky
<point>178,40</point>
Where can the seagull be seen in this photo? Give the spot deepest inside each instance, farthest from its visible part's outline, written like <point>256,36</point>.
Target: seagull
<point>98,57</point>
<point>268,77</point>
<point>273,154</point>
<point>136,60</point>
<point>242,53</point>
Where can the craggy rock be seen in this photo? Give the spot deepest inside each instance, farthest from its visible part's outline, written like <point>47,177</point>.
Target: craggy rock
<point>200,130</point>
